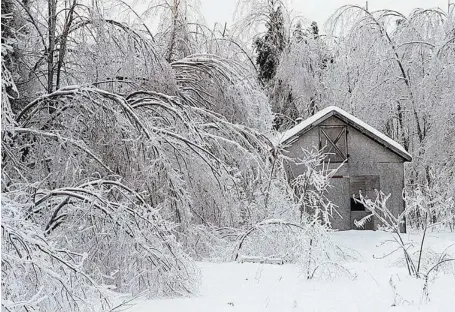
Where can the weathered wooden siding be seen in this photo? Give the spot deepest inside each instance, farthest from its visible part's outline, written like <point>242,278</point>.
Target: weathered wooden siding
<point>366,158</point>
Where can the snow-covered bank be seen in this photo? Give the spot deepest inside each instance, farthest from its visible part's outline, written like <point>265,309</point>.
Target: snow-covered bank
<point>372,284</point>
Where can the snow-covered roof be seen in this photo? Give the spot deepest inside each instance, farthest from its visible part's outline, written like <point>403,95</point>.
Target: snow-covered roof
<point>353,121</point>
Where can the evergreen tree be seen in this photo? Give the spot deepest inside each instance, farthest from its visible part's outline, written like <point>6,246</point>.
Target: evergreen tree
<point>271,45</point>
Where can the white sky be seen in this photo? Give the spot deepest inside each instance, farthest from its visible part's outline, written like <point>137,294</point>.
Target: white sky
<point>222,11</point>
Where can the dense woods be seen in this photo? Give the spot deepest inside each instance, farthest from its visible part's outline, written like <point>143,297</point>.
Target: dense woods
<point>133,146</point>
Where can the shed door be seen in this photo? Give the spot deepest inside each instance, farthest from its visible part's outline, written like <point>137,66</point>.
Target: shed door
<point>367,185</point>
<point>333,141</point>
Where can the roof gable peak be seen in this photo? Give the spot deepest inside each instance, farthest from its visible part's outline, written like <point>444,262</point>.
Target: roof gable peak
<point>351,120</point>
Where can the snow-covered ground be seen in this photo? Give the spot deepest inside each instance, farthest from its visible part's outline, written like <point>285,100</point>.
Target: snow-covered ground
<point>372,284</point>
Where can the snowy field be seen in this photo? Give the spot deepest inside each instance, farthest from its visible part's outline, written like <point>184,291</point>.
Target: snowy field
<point>371,284</point>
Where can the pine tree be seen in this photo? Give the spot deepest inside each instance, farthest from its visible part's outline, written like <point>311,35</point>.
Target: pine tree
<point>270,46</point>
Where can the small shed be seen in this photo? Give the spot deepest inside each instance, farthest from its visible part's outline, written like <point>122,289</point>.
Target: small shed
<point>371,161</point>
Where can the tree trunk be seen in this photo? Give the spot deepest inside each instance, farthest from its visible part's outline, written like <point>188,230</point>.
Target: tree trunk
<point>63,41</point>
<point>52,18</point>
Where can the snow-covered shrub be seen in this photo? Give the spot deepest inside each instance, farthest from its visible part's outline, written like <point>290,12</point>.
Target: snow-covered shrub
<point>312,185</point>
<point>431,205</point>
<point>81,243</point>
<point>36,273</point>
<point>113,182</point>
<point>295,219</point>
<point>215,244</point>
<point>278,241</point>
<point>419,263</point>
<point>273,238</point>
<point>89,225</point>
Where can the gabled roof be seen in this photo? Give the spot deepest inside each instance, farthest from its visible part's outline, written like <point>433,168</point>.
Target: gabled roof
<point>351,120</point>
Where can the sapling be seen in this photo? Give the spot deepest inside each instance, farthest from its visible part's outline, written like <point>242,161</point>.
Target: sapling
<point>393,223</point>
